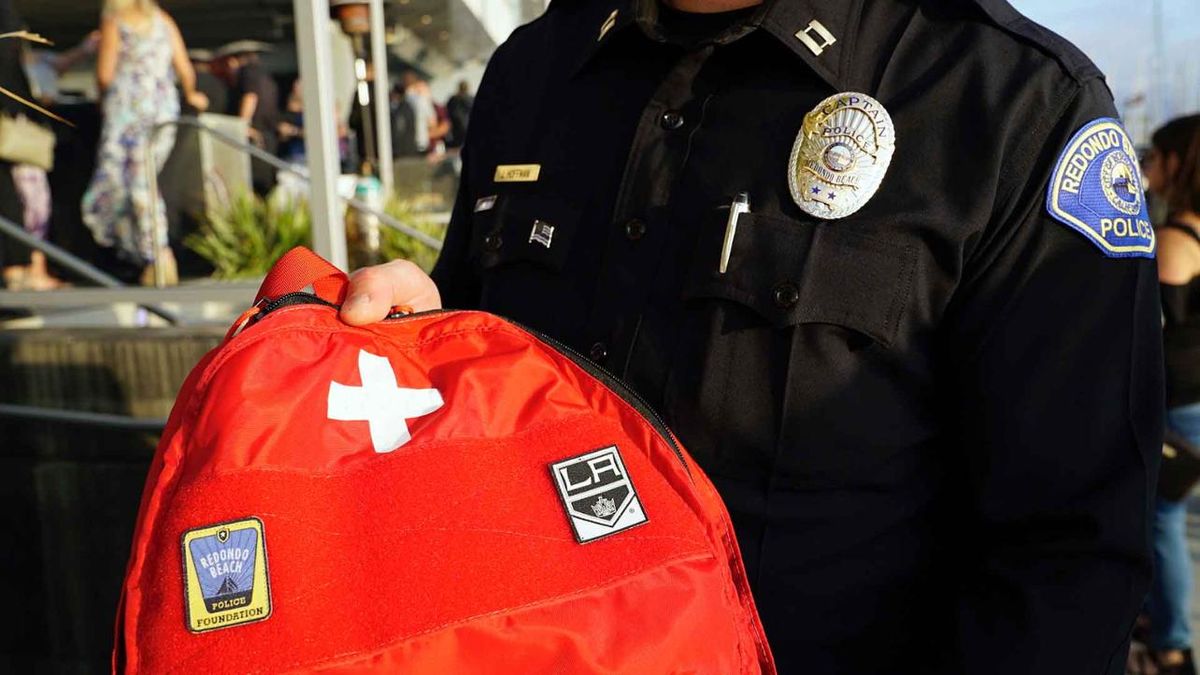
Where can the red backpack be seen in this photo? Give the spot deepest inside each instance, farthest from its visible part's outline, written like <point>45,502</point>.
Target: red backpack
<point>442,492</point>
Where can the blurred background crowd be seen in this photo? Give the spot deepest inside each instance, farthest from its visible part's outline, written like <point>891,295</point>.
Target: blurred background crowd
<point>117,77</point>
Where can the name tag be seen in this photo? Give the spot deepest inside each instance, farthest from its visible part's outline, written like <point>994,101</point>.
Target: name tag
<point>517,173</point>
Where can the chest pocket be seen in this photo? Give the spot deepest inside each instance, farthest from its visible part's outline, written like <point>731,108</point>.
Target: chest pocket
<point>794,272</point>
<point>523,229</point>
<point>522,244</point>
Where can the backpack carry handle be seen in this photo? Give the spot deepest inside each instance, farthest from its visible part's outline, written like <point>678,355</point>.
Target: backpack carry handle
<point>300,268</point>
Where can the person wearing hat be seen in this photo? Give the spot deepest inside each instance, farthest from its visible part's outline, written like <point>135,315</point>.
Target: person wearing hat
<point>884,266</point>
<point>207,81</point>
<point>254,97</point>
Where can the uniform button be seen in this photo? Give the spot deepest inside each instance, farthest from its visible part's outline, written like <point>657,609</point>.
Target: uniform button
<point>599,352</point>
<point>671,120</point>
<point>493,242</point>
<point>786,294</point>
<point>635,229</point>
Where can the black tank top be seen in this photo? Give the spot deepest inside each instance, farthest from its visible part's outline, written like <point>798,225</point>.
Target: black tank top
<point>1181,334</point>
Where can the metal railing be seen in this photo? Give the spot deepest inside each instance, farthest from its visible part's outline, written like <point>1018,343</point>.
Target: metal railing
<point>237,294</point>
<point>83,418</point>
<point>95,275</point>
<point>258,153</point>
<point>76,264</point>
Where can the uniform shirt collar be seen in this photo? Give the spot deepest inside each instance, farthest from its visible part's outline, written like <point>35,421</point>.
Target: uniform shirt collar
<point>821,32</point>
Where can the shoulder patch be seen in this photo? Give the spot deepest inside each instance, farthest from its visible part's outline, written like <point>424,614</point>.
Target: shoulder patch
<point>1096,189</point>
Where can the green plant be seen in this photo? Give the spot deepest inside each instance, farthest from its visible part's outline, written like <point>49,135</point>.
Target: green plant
<point>246,237</point>
<point>249,235</point>
<point>394,244</point>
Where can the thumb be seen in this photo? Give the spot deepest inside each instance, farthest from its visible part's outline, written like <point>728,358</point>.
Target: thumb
<point>375,290</point>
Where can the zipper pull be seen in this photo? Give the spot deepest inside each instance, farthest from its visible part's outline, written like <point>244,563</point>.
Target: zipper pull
<point>244,320</point>
<point>398,312</point>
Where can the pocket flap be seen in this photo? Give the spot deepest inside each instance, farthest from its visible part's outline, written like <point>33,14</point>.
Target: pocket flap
<point>793,272</point>
<point>524,228</point>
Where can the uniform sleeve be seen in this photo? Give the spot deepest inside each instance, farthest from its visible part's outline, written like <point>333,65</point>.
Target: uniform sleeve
<point>1055,355</point>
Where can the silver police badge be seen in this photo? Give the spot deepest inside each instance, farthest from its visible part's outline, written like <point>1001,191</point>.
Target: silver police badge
<point>841,155</point>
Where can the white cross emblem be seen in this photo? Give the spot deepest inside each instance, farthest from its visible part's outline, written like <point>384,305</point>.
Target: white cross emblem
<point>380,402</point>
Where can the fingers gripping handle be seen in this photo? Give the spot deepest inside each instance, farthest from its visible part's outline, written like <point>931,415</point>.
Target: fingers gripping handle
<point>300,268</point>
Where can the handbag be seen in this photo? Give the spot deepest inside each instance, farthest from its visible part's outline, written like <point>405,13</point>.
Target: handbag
<point>23,141</point>
<point>1180,468</point>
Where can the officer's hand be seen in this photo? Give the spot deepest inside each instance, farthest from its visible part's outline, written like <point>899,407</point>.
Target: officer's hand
<point>375,290</point>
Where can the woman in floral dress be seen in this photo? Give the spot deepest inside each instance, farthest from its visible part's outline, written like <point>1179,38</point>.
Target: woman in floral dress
<point>140,54</point>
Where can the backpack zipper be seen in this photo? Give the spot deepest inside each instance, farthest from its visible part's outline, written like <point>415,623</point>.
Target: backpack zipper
<point>606,377</point>
<point>288,299</point>
<point>615,385</point>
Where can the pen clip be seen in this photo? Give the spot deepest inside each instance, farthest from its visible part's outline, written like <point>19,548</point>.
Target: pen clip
<point>739,205</point>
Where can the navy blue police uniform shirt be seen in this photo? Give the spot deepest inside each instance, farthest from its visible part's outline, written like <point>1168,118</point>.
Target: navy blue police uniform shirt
<point>935,422</point>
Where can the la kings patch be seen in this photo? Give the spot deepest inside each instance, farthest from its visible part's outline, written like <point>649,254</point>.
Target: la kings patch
<point>597,493</point>
<point>225,575</point>
<point>1097,190</point>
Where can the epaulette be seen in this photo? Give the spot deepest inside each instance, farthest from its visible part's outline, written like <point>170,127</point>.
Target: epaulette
<point>1074,61</point>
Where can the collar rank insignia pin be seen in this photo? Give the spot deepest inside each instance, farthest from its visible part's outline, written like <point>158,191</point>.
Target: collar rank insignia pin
<point>806,34</point>
<point>841,155</point>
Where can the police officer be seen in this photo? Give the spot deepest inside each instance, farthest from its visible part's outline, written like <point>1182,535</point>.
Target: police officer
<point>883,265</point>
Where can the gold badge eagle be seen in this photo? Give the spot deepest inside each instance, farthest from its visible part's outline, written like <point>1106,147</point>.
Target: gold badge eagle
<point>841,155</point>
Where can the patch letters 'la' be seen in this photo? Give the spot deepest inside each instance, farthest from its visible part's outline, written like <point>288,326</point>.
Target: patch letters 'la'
<point>1097,190</point>
<point>225,575</point>
<point>597,494</point>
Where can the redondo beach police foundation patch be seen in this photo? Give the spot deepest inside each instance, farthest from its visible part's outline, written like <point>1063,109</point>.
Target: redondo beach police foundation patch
<point>225,575</point>
<point>1097,190</point>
